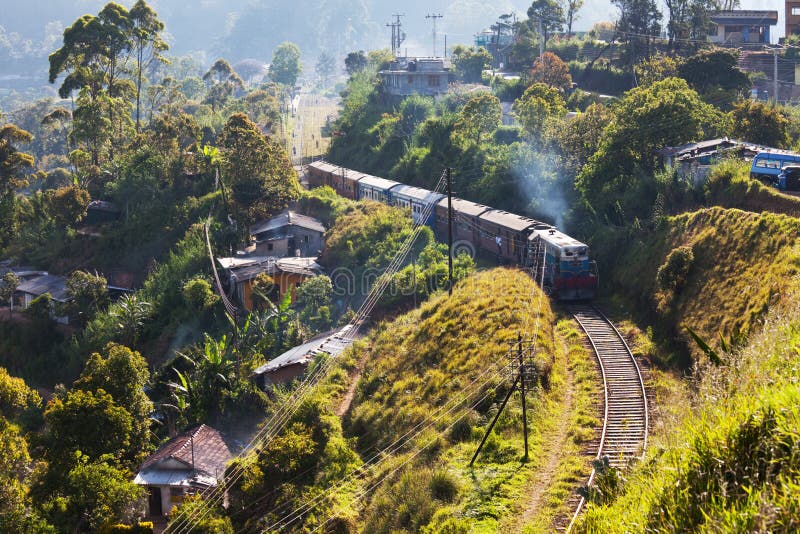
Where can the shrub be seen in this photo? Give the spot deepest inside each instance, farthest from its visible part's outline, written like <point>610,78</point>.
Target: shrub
<point>198,293</point>
<point>673,272</point>
<point>444,486</point>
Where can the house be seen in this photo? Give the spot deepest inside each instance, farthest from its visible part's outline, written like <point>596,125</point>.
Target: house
<point>294,362</point>
<point>694,160</point>
<point>286,273</point>
<point>100,211</point>
<point>37,286</point>
<point>742,26</point>
<point>428,76</point>
<point>497,43</point>
<point>288,234</point>
<point>792,17</point>
<point>188,463</point>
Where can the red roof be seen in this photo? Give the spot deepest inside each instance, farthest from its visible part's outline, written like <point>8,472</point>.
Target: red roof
<point>211,453</point>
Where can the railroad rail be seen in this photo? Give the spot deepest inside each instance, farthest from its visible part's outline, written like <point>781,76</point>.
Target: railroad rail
<point>625,414</point>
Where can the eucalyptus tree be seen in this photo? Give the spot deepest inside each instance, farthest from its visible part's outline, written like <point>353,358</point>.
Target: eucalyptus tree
<point>147,45</point>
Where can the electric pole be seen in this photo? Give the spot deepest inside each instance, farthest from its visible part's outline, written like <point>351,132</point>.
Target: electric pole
<point>398,36</point>
<point>434,18</point>
<point>524,377</point>
<point>449,178</point>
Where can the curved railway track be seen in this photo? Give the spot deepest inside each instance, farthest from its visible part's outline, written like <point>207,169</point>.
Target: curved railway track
<point>625,414</point>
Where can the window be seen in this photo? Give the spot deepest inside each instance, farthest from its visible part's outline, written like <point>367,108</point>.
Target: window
<point>796,11</point>
<point>433,80</point>
<point>269,246</point>
<point>410,80</point>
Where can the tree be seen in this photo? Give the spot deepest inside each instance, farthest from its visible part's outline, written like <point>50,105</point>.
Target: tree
<point>314,298</point>
<point>285,67</point>
<point>618,181</point>
<point>257,170</point>
<point>573,6</point>
<point>325,66</point>
<point>480,116</point>
<point>15,396</point>
<point>96,493</point>
<point>249,69</point>
<point>355,62</point>
<point>8,286</point>
<point>715,74</point>
<point>639,24</point>
<point>547,15</point>
<point>536,106</point>
<point>761,123</point>
<point>146,43</point>
<point>469,62</point>
<point>580,137</point>
<point>86,421</point>
<point>68,205</point>
<point>552,71</point>
<point>123,374</point>
<point>130,312</point>
<point>198,293</point>
<point>13,168</point>
<point>89,294</point>
<point>655,68</point>
<point>222,81</point>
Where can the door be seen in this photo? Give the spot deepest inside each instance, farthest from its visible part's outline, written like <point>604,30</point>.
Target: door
<point>154,501</point>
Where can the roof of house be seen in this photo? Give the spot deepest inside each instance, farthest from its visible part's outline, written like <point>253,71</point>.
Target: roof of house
<point>464,206</point>
<point>211,452</point>
<point>416,193</point>
<point>508,220</point>
<point>287,218</point>
<point>331,343</point>
<point>21,271</point>
<point>739,16</point>
<point>48,283</point>
<point>103,205</point>
<point>248,268</point>
<point>378,183</point>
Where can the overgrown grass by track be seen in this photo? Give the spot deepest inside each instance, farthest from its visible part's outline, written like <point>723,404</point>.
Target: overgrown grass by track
<point>731,465</point>
<point>717,271</point>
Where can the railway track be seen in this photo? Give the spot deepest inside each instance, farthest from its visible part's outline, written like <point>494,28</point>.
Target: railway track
<point>625,415</point>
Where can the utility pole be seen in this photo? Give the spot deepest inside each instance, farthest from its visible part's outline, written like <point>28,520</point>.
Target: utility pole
<point>775,75</point>
<point>397,33</point>
<point>526,372</point>
<point>434,17</point>
<point>449,177</point>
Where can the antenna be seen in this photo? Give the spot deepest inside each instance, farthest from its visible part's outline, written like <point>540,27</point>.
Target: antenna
<point>398,35</point>
<point>434,17</point>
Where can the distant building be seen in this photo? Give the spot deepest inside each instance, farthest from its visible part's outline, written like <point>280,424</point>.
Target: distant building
<point>294,362</point>
<point>694,160</point>
<point>100,211</point>
<point>286,273</point>
<point>35,287</point>
<point>741,26</point>
<point>428,76</point>
<point>288,234</point>
<point>188,463</point>
<point>498,44</point>
<point>792,14</point>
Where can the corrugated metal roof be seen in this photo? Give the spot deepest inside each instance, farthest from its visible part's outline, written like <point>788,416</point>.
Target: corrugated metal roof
<point>203,443</point>
<point>380,183</point>
<point>465,206</point>
<point>287,218</point>
<point>417,193</point>
<point>331,344</point>
<point>245,270</point>
<point>508,220</point>
<point>49,283</point>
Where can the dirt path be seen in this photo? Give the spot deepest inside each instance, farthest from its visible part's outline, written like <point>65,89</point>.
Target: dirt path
<point>556,441</point>
<point>351,389</point>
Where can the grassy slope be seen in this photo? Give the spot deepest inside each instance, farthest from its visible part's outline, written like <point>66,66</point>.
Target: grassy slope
<point>427,360</point>
<point>743,264</point>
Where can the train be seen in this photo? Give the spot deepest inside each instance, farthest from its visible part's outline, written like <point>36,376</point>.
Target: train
<point>561,263</point>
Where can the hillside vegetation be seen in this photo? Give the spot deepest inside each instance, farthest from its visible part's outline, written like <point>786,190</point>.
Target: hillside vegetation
<point>717,271</point>
<point>433,380</point>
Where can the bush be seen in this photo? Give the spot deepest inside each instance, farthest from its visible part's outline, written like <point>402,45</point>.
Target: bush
<point>601,78</point>
<point>198,293</point>
<point>673,272</point>
<point>444,486</point>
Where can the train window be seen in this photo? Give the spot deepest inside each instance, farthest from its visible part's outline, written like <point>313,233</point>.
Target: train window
<point>568,253</point>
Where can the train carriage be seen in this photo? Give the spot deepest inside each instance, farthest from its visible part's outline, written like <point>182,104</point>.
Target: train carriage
<point>374,188</point>
<point>568,273</point>
<point>505,234</point>
<point>345,182</point>
<point>466,224</point>
<point>318,173</point>
<point>416,199</point>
